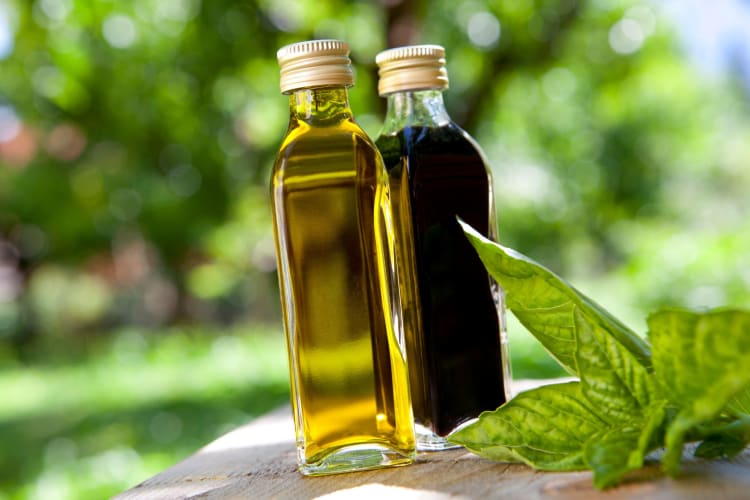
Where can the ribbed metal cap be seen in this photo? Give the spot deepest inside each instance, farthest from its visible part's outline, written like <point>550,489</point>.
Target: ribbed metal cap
<point>414,67</point>
<point>315,63</point>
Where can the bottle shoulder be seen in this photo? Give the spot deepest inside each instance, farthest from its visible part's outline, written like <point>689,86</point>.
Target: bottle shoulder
<point>338,153</point>
<point>458,135</point>
<point>474,145</point>
<point>445,135</point>
<point>343,136</point>
<point>449,141</point>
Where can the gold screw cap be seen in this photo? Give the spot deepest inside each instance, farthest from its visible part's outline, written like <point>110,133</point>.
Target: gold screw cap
<point>414,67</point>
<point>315,63</point>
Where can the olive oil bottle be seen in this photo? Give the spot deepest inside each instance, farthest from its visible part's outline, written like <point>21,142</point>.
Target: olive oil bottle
<point>453,311</point>
<point>334,245</point>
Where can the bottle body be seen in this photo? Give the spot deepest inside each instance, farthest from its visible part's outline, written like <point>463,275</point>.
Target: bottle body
<point>350,392</point>
<point>453,311</point>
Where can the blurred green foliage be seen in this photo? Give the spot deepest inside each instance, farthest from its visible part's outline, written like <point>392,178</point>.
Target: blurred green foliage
<point>98,422</point>
<point>134,188</point>
<point>136,140</point>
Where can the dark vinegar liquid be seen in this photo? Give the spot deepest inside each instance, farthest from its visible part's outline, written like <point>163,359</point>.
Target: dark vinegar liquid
<point>454,345</point>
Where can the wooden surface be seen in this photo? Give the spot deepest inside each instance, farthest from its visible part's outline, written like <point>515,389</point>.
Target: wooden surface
<point>258,460</point>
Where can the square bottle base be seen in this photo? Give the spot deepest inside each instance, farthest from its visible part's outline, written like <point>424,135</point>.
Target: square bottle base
<point>429,441</point>
<point>356,458</point>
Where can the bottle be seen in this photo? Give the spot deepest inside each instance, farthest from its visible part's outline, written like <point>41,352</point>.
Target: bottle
<point>453,311</point>
<point>334,247</point>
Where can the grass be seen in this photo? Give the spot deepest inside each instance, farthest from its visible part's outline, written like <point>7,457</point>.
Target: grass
<point>138,401</point>
<point>92,427</point>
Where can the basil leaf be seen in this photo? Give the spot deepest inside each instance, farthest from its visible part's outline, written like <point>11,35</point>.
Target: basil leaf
<point>740,404</point>
<point>727,442</point>
<point>621,449</point>
<point>625,405</point>
<point>721,446</point>
<point>612,378</point>
<point>545,428</point>
<point>701,362</point>
<point>545,304</point>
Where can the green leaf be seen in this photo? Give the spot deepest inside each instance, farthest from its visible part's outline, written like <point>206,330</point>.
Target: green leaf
<point>591,343</point>
<point>701,361</point>
<point>545,428</point>
<point>545,304</point>
<point>612,379</point>
<point>726,441</point>
<point>740,404</point>
<point>608,455</point>
<point>721,446</point>
<point>698,374</point>
<point>621,449</point>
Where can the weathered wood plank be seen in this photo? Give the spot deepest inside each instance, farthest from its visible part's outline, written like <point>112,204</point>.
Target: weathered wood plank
<point>258,461</point>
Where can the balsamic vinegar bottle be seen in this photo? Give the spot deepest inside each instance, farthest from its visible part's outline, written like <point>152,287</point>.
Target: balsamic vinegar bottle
<point>453,311</point>
<point>334,246</point>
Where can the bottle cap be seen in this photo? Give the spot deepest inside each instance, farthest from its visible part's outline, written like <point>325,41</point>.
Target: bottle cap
<point>315,63</point>
<point>414,67</point>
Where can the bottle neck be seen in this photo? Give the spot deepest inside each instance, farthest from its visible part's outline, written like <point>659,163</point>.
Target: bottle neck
<point>419,108</point>
<point>320,106</point>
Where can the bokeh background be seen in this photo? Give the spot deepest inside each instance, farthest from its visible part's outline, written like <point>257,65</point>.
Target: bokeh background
<point>139,312</point>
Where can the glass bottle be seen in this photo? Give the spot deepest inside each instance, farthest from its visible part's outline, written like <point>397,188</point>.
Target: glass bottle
<point>334,247</point>
<point>454,321</point>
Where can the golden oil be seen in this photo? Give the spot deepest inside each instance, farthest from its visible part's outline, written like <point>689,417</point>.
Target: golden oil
<point>334,243</point>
